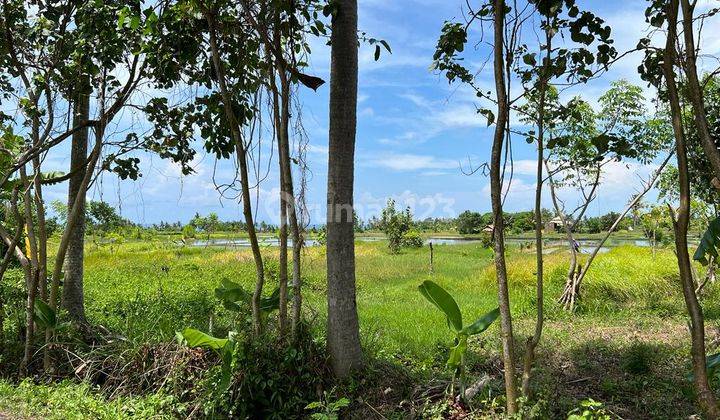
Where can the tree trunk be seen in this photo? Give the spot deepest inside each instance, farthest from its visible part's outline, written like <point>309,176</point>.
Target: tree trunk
<point>241,152</point>
<point>648,186</point>
<point>495,196</point>
<point>697,323</point>
<point>343,331</point>
<point>72,295</point>
<point>709,144</point>
<point>289,200</point>
<point>283,234</point>
<point>534,340</point>
<point>287,189</point>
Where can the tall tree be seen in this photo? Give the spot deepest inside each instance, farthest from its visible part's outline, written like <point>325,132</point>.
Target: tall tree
<point>343,330</point>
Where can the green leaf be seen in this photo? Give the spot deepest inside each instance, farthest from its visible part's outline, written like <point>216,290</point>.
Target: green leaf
<point>457,352</point>
<point>482,323</point>
<point>709,243</point>
<point>386,45</point>
<point>443,301</point>
<point>232,292</point>
<point>195,338</point>
<point>44,315</point>
<point>529,59</point>
<point>377,52</point>
<point>489,115</point>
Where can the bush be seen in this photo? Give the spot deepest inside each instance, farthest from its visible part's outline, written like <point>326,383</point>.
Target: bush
<point>270,380</point>
<point>188,232</point>
<point>412,239</point>
<point>639,358</point>
<point>486,240</point>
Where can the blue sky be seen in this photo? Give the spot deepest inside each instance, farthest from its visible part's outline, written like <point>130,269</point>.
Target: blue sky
<point>415,132</point>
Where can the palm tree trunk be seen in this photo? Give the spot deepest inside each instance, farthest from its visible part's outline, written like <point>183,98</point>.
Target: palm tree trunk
<point>343,331</point>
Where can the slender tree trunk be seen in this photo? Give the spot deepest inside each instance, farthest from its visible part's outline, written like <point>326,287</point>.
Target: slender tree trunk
<point>709,144</point>
<point>343,331</point>
<point>571,293</point>
<point>287,189</point>
<point>290,200</point>
<point>65,239</point>
<point>697,323</point>
<point>72,294</point>
<point>30,283</point>
<point>495,196</point>
<point>616,223</point>
<point>534,340</point>
<point>283,235</point>
<point>41,229</point>
<point>241,152</point>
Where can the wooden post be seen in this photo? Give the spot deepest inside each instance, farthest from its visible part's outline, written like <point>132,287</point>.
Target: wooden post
<point>431,257</point>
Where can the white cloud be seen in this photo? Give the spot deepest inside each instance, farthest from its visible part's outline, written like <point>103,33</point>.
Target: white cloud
<point>403,162</point>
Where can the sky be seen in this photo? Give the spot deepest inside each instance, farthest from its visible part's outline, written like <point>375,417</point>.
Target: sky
<point>417,135</point>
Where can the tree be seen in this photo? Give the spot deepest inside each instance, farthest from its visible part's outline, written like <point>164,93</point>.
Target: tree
<point>584,143</point>
<point>343,332</point>
<point>659,68</point>
<point>46,49</point>
<point>470,222</point>
<point>395,225</point>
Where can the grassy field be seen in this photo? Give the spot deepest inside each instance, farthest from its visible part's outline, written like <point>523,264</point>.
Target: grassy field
<point>626,346</point>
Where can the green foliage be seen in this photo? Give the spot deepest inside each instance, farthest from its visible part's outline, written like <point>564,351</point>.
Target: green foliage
<point>189,232</point>
<point>709,243</point>
<point>46,317</point>
<point>395,225</point>
<point>469,222</point>
<point>589,409</point>
<point>412,239</point>
<point>103,218</point>
<point>327,408</point>
<point>232,295</point>
<point>225,347</point>
<point>445,303</point>
<point>639,358</point>
<point>269,380</point>
<point>69,400</point>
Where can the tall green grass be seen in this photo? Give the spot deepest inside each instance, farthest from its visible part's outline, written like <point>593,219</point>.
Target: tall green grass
<point>149,291</point>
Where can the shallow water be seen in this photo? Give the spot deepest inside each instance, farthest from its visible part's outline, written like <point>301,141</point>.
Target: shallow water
<point>586,246</point>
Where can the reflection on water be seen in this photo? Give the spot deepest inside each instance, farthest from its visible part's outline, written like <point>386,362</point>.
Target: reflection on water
<point>243,242</point>
<point>267,241</point>
<point>550,245</point>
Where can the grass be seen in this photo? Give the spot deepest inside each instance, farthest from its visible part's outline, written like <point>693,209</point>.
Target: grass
<point>626,345</point>
<point>67,400</point>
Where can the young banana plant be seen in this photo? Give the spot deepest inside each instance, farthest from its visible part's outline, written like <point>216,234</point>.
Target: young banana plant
<point>445,302</point>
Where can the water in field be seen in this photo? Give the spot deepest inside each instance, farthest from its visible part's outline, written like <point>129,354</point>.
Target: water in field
<point>586,245</point>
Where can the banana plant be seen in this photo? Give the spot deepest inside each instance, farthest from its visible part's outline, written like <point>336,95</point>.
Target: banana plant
<point>232,294</point>
<point>224,347</point>
<point>709,243</point>
<point>445,302</point>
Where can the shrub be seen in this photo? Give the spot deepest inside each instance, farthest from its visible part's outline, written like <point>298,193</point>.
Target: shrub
<point>486,240</point>
<point>270,380</point>
<point>188,232</point>
<point>639,358</point>
<point>412,239</point>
